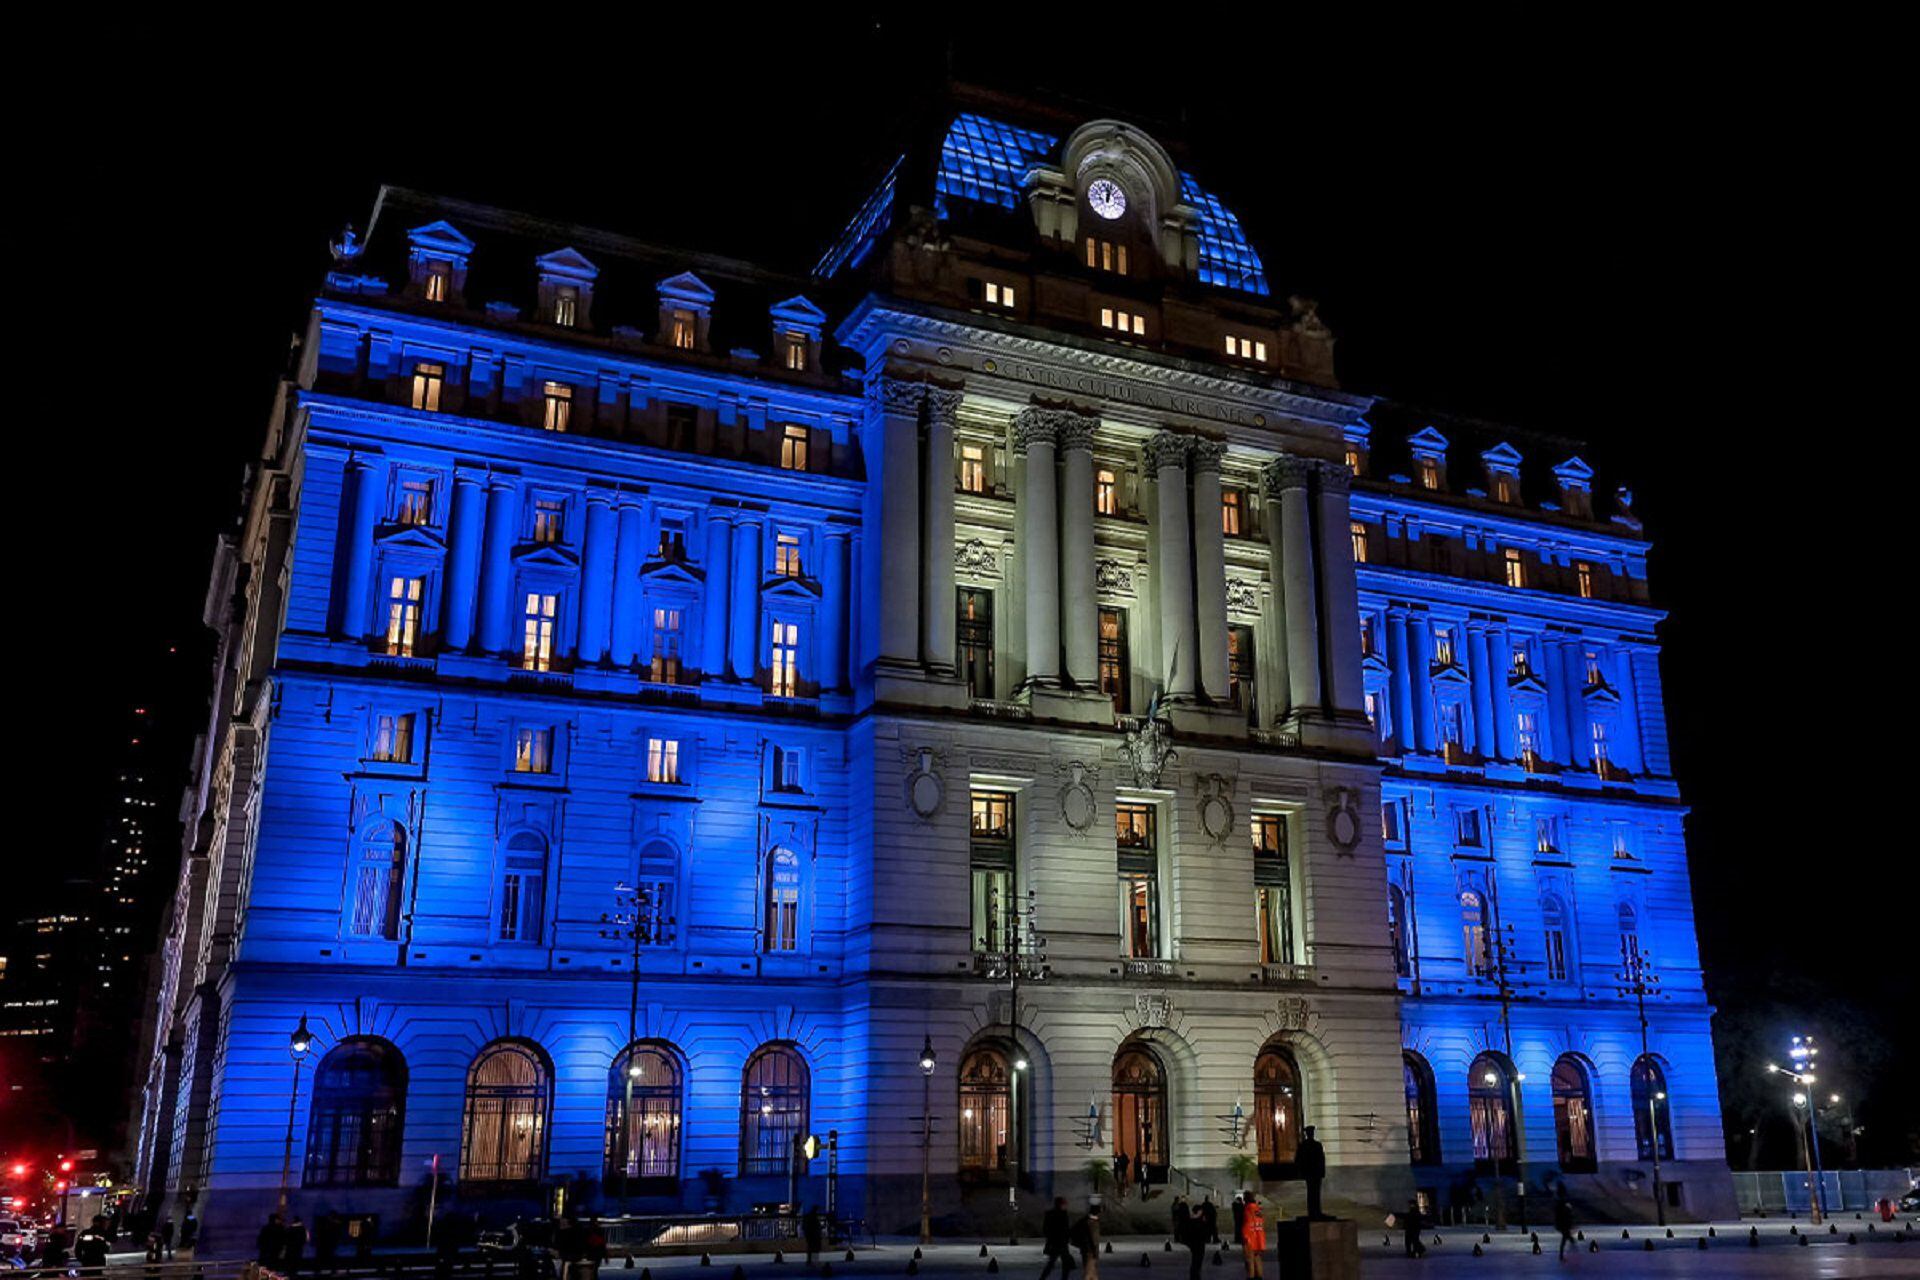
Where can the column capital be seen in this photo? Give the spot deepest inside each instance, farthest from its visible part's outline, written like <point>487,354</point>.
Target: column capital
<point>1168,449</point>
<point>1207,454</point>
<point>1335,477</point>
<point>896,395</point>
<point>943,403</point>
<point>598,497</point>
<point>1286,472</point>
<point>1034,426</point>
<point>1076,429</point>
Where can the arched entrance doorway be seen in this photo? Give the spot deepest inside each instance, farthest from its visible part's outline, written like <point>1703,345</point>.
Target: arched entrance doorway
<point>1140,1113</point>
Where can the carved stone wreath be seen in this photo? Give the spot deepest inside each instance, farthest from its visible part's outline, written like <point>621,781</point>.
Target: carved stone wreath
<point>1343,821</point>
<point>1215,806</point>
<point>926,792</point>
<point>1077,805</point>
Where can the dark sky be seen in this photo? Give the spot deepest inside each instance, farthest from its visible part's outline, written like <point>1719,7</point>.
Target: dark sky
<point>1661,239</point>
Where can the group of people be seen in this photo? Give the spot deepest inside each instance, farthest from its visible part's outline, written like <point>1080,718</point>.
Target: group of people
<point>1413,1222</point>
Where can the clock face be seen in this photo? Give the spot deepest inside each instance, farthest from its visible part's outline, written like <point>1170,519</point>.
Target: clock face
<point>1105,198</point>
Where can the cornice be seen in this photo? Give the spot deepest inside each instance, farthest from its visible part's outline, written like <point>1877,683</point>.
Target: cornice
<point>1402,583</point>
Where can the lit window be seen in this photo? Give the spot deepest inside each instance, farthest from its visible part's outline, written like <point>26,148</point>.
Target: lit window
<point>1428,470</point>
<point>436,281</point>
<point>1443,646</point>
<point>673,542</point>
<point>566,305</point>
<point>404,596</point>
<point>559,406</point>
<point>536,650</point>
<point>782,925</point>
<point>1273,889</point>
<point>1232,511</point>
<point>796,345</point>
<point>393,739</point>
<point>1359,532</point>
<point>1506,488</point>
<point>682,329</point>
<point>1516,568</point>
<point>973,468</point>
<point>1545,837</point>
<point>549,519</point>
<point>663,760</point>
<point>1528,726</point>
<point>999,295</point>
<point>990,861</point>
<point>794,440</point>
<point>428,381</point>
<point>786,555</point>
<point>1355,463</point>
<point>1600,761</point>
<point>787,765</point>
<point>1583,573</point>
<point>1123,321</point>
<point>1246,348</point>
<point>784,661</point>
<point>665,666</point>
<point>1476,926</point>
<point>1621,848</point>
<point>1133,826</point>
<point>1595,678</point>
<point>1106,493</point>
<point>1113,665</point>
<point>1104,255</point>
<point>416,503</point>
<point>1554,916</point>
<point>1522,661</point>
<point>533,751</point>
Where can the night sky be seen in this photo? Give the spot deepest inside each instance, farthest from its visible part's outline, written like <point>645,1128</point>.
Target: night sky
<point>1661,242</point>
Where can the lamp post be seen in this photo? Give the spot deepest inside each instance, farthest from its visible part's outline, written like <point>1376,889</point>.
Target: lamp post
<point>1802,1051</point>
<point>1505,970</point>
<point>926,1139</point>
<point>1637,979</point>
<point>640,922</point>
<point>1022,959</point>
<point>298,1044</point>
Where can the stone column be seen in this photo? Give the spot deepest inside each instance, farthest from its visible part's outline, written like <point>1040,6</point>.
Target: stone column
<point>496,562</point>
<point>745,628</point>
<point>938,644</point>
<point>1339,595</point>
<point>1553,654</point>
<point>1573,669</point>
<point>359,514</point>
<point>1210,569</point>
<point>1034,433</point>
<point>1166,465</point>
<point>596,579</point>
<point>1420,670</point>
<point>1626,746</point>
<point>1286,480</point>
<point>833,611</point>
<point>467,520</point>
<point>1480,674</point>
<point>1398,657</point>
<point>718,601</point>
<point>1499,655</point>
<point>1079,605</point>
<point>891,439</point>
<point>1280,700</point>
<point>629,555</point>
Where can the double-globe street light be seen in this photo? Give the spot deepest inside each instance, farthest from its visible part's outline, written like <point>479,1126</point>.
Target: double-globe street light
<point>1801,1052</point>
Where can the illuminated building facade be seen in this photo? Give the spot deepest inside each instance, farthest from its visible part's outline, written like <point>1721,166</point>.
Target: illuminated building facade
<point>664,697</point>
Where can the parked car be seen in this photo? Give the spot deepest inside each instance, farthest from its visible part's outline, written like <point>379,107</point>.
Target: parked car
<point>1910,1202</point>
<point>15,1234</point>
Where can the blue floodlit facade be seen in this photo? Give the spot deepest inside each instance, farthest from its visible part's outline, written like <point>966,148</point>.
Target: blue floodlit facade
<point>1024,559</point>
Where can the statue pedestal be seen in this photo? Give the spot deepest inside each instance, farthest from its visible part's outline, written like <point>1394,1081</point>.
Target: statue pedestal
<point>1325,1250</point>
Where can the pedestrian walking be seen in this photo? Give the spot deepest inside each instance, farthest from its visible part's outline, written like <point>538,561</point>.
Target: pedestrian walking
<point>1210,1215</point>
<point>1120,1163</point>
<point>1193,1233</point>
<point>1411,1224</point>
<point>1056,1239</point>
<point>1563,1220</point>
<point>1086,1238</point>
<point>1253,1237</point>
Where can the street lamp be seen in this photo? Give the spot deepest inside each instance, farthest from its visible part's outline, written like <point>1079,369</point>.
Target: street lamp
<point>926,1137</point>
<point>639,921</point>
<point>1637,979</point>
<point>1802,1051</point>
<point>298,1046</point>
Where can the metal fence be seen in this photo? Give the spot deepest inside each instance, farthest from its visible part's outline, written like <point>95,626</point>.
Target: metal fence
<point>1791,1191</point>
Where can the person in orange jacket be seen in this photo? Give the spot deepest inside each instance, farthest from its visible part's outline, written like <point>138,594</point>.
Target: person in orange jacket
<point>1253,1235</point>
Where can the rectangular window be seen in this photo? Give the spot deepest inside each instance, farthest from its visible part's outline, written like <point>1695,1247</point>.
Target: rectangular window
<point>1104,255</point>
<point>566,305</point>
<point>523,893</point>
<point>1467,827</point>
<point>1233,510</point>
<point>1106,493</point>
<point>1368,636</point>
<point>796,347</point>
<point>665,665</point>
<point>549,520</point>
<point>663,760</point>
<point>784,661</point>
<point>404,596</point>
<point>673,542</point>
<point>973,468</point>
<point>786,555</point>
<point>783,901</point>
<point>1392,827</point>
<point>1556,947</point>
<point>1601,763</point>
<point>1583,575</point>
<point>1428,471</point>
<point>1516,568</point>
<point>1544,840</point>
<point>1138,867</point>
<point>1453,732</point>
<point>533,751</point>
<point>1522,661</point>
<point>683,423</point>
<point>1528,725</point>
<point>1246,348</point>
<point>1123,321</point>
<point>999,295</point>
<point>393,739</point>
<point>1273,889</point>
<point>1622,849</point>
<point>1506,488</point>
<point>794,440</point>
<point>558,406</point>
<point>436,281</point>
<point>788,764</point>
<point>536,633</point>
<point>416,503</point>
<point>990,852</point>
<point>1115,678</point>
<point>1596,677</point>
<point>1443,646</point>
<point>974,632</point>
<point>1240,670</point>
<point>1359,532</point>
<point>428,381</point>
<point>1356,461</point>
<point>683,329</point>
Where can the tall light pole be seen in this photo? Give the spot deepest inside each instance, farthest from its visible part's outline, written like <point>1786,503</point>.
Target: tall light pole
<point>926,1139</point>
<point>1802,1052</point>
<point>1022,958</point>
<point>1505,969</point>
<point>1637,979</point>
<point>298,1045</point>
<point>639,921</point>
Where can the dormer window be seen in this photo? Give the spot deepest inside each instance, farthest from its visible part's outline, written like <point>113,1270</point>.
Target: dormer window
<point>566,289</point>
<point>436,281</point>
<point>1427,471</point>
<point>1575,478</point>
<point>795,347</point>
<point>566,306</point>
<point>1241,348</point>
<point>1583,578</point>
<point>429,379</point>
<point>1506,488</point>
<point>797,325</point>
<point>683,330</point>
<point>558,408</point>
<point>437,262</point>
<point>1356,461</point>
<point>1105,255</point>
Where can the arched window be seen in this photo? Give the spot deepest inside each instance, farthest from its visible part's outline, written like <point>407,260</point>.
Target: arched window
<point>643,1139</point>
<point>359,1102</point>
<point>1477,931</point>
<point>1490,1113</point>
<point>509,1092</point>
<point>1651,1117</point>
<point>986,1100</point>
<point>1423,1121</point>
<point>1276,1109</point>
<point>1553,925</point>
<point>1573,1115</point>
<point>379,863</point>
<point>1629,934</point>
<point>523,887</point>
<point>773,1109</point>
<point>1397,930</point>
<point>780,913</point>
<point>1140,1111</point>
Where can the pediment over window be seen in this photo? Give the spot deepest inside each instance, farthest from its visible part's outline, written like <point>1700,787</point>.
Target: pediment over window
<point>1427,443</point>
<point>1451,676</point>
<point>1502,457</point>
<point>687,290</point>
<point>1528,683</point>
<point>797,313</point>
<point>441,239</point>
<point>545,555</point>
<point>1574,473</point>
<point>804,590</point>
<point>1601,694</point>
<point>1375,662</point>
<point>410,537</point>
<point>568,265</point>
<point>667,572</point>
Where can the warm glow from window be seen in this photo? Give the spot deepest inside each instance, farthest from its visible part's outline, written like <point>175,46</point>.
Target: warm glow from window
<point>973,468</point>
<point>566,304</point>
<point>416,503</point>
<point>794,441</point>
<point>1106,493</point>
<point>1232,511</point>
<point>1516,568</point>
<point>1246,348</point>
<point>1583,573</point>
<point>1104,255</point>
<point>549,520</point>
<point>428,380</point>
<point>404,596</point>
<point>682,330</point>
<point>665,665</point>
<point>786,555</point>
<point>533,751</point>
<point>999,295</point>
<point>1123,321</point>
<point>663,760</point>
<point>796,344</point>
<point>784,662</point>
<point>559,406</point>
<point>1359,532</point>
<point>436,282</point>
<point>536,650</point>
